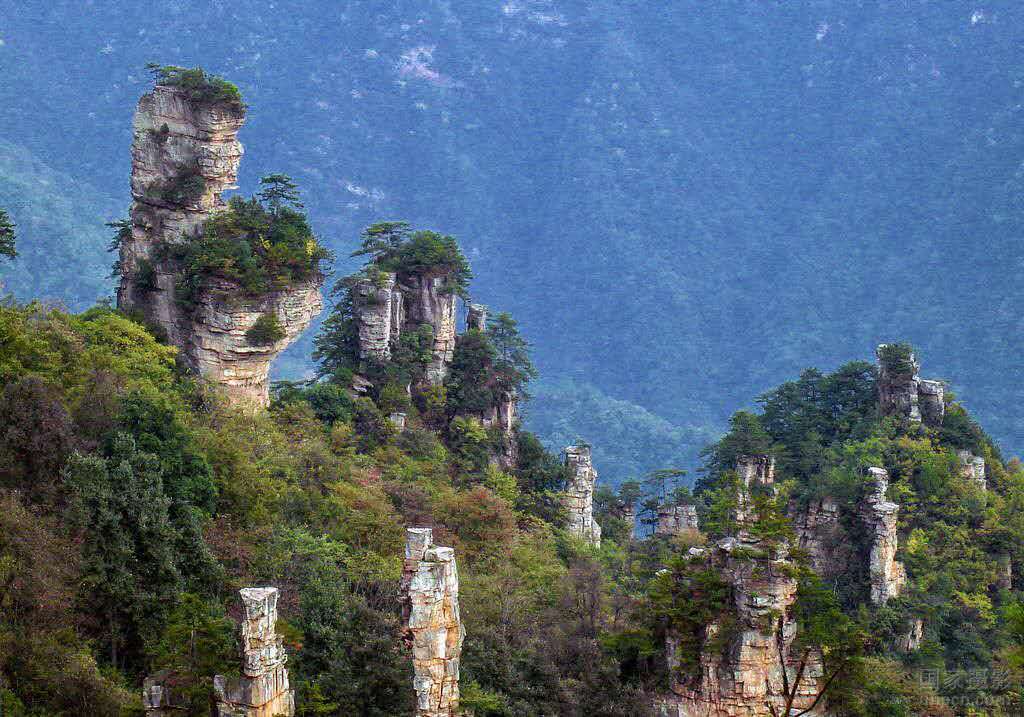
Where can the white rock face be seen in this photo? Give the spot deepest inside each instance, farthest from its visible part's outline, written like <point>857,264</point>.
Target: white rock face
<point>888,576</point>
<point>174,135</point>
<point>434,632</point>
<point>908,395</point>
<point>379,314</point>
<point>676,520</point>
<point>972,468</point>
<point>911,640</point>
<point>390,305</point>
<point>579,495</point>
<point>430,304</point>
<point>262,690</point>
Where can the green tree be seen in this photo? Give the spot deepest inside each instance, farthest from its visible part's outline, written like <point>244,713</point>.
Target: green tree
<point>7,236</point>
<point>130,573</point>
<point>512,365</point>
<point>278,191</point>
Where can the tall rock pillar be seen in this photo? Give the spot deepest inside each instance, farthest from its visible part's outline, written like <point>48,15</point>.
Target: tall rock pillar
<point>262,690</point>
<point>185,154</point>
<point>579,495</point>
<point>879,514</point>
<point>434,631</point>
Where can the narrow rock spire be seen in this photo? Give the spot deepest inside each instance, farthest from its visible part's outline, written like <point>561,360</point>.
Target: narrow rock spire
<point>433,626</point>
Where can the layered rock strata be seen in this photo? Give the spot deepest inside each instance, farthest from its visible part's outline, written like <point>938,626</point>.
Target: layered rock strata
<point>433,628</point>
<point>745,679</point>
<point>676,519</point>
<point>185,154</point>
<point>578,498</point>
<point>903,393</point>
<point>756,471</point>
<point>888,575</point>
<point>262,689</point>
<point>386,305</point>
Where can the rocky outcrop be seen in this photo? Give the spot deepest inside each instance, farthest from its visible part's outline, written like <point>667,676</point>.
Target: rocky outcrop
<point>911,640</point>
<point>185,154</point>
<point>476,317</point>
<point>578,499</point>
<point>385,306</point>
<point>430,303</point>
<point>745,679</point>
<point>379,312</point>
<point>756,472</point>
<point>888,576</point>
<point>262,689</point>
<point>504,417</point>
<point>821,535</point>
<point>676,520</point>
<point>757,468</point>
<point>160,696</point>
<point>972,468</point>
<point>433,627</point>
<point>902,393</point>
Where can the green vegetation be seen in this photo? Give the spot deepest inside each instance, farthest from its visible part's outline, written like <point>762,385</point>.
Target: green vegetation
<point>259,245</point>
<point>265,330</point>
<point>7,236</point>
<point>395,247</point>
<point>186,187</point>
<point>198,85</point>
<point>897,358</point>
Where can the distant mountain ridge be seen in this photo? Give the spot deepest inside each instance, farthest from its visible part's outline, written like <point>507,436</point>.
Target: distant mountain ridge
<point>682,205</point>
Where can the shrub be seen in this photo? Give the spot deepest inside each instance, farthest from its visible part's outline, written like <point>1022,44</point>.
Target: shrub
<point>265,330</point>
<point>257,248</point>
<point>198,85</point>
<point>898,359</point>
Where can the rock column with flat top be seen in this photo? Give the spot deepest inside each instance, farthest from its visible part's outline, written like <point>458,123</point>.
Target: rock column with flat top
<point>262,690</point>
<point>433,626</point>
<point>579,495</point>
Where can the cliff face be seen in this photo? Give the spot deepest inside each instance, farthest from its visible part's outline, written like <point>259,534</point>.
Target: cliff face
<point>434,630</point>
<point>185,154</point>
<point>745,679</point>
<point>579,495</point>
<point>676,520</point>
<point>262,690</point>
<point>386,306</point>
<point>902,392</point>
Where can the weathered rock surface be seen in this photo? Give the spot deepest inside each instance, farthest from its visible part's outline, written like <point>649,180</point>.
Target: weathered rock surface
<point>746,678</point>
<point>386,306</point>
<point>175,137</point>
<point>972,468</point>
<point>905,394</point>
<point>821,534</point>
<point>431,304</point>
<point>579,495</point>
<point>757,468</point>
<point>888,576</point>
<point>504,416</point>
<point>160,698</point>
<point>434,631</point>
<point>676,520</point>
<point>380,312</point>
<point>476,317</point>
<point>911,640</point>
<point>262,690</point>
<point>755,471</point>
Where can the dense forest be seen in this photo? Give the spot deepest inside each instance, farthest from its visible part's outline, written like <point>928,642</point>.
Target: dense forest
<point>137,500</point>
<point>682,205</point>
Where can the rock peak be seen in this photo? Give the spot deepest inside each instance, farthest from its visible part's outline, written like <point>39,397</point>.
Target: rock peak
<point>185,154</point>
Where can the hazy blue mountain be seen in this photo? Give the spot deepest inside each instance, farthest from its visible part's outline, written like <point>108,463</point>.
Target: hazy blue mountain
<point>683,203</point>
